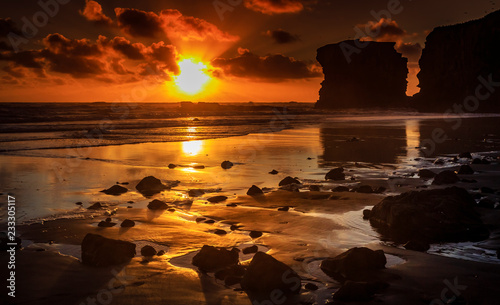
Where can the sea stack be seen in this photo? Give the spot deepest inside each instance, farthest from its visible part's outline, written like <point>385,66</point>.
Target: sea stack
<point>362,75</point>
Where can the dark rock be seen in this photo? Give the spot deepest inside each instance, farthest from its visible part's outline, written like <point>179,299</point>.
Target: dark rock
<point>108,219</point>
<point>255,234</point>
<point>336,174</point>
<point>115,190</point>
<point>150,185</point>
<point>105,224</point>
<point>426,174</point>
<point>95,206</point>
<point>216,199</point>
<point>195,192</point>
<point>366,214</point>
<point>375,77</point>
<point>200,219</point>
<point>438,162</point>
<point>231,275</point>
<point>232,280</point>
<point>365,189</point>
<point>171,166</point>
<point>160,253</point>
<point>417,245</point>
<point>434,215</point>
<point>445,177</point>
<point>227,164</point>
<point>465,170</point>
<point>79,203</point>
<point>476,161</point>
<point>358,291</point>
<point>127,223</point>
<point>157,205</point>
<point>210,221</point>
<point>487,190</point>
<point>284,209</point>
<point>234,227</point>
<point>466,155</point>
<point>220,232</point>
<point>199,166</point>
<point>379,190</point>
<point>289,180</point>
<point>99,251</point>
<point>340,189</point>
<point>231,205</point>
<point>273,172</point>
<point>354,264</point>
<point>311,286</point>
<point>254,191</point>
<point>251,249</point>
<point>211,259</point>
<point>130,201</point>
<point>265,274</point>
<point>314,188</point>
<point>171,210</point>
<point>148,251</point>
<point>486,203</point>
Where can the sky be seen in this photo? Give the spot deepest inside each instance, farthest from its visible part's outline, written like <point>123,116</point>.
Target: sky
<point>212,51</point>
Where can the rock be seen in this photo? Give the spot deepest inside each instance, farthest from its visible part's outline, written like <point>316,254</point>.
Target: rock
<point>211,259</point>
<point>445,177</point>
<point>340,189</point>
<point>336,174</point>
<point>365,189</point>
<point>79,203</point>
<point>476,161</point>
<point>227,164</point>
<point>217,199</point>
<point>311,287</point>
<point>375,77</point>
<point>487,190</point>
<point>438,162</point>
<point>160,253</point>
<point>314,188</point>
<point>108,219</point>
<point>115,190</point>
<point>234,271</point>
<point>255,234</point>
<point>251,249</point>
<point>157,205</point>
<point>354,264</point>
<point>95,206</point>
<point>234,227</point>
<point>195,192</point>
<point>358,291</point>
<point>366,214</point>
<point>200,219</point>
<point>273,172</point>
<point>199,166</point>
<point>150,185</point>
<point>437,215</point>
<point>254,191</point>
<point>210,221</point>
<point>231,205</point>
<point>379,190</point>
<point>289,180</point>
<point>426,174</point>
<point>148,251</point>
<point>106,224</point>
<point>171,166</point>
<point>465,170</point>
<point>284,209</point>
<point>99,251</point>
<point>127,223</point>
<point>171,210</point>
<point>220,232</point>
<point>417,245</point>
<point>232,280</point>
<point>466,155</point>
<point>265,274</point>
<point>486,203</point>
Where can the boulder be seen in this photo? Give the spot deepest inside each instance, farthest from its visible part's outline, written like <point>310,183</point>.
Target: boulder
<point>486,203</point>
<point>196,192</point>
<point>115,190</point>
<point>289,180</point>
<point>367,213</point>
<point>148,251</point>
<point>340,189</point>
<point>217,199</point>
<point>157,205</point>
<point>487,190</point>
<point>445,177</point>
<point>417,245</point>
<point>265,275</point>
<point>106,224</point>
<point>255,234</point>
<point>99,251</point>
<point>127,223</point>
<point>150,186</point>
<point>365,189</point>
<point>336,174</point>
<point>251,249</point>
<point>172,166</point>
<point>426,174</point>
<point>358,291</point>
<point>220,232</point>
<point>226,164</point>
<point>211,259</point>
<point>273,172</point>
<point>354,264</point>
<point>314,188</point>
<point>437,215</point>
<point>465,170</point>
<point>466,155</point>
<point>254,191</point>
<point>95,206</point>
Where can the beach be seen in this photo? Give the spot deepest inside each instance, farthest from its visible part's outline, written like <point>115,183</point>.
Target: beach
<point>382,151</point>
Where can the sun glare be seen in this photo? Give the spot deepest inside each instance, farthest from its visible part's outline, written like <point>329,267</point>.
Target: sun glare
<point>193,77</point>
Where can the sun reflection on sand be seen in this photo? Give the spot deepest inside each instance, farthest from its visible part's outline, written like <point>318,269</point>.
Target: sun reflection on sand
<point>192,148</point>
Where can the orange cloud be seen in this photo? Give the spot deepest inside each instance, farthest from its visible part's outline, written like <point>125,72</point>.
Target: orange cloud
<point>93,12</point>
<point>271,7</point>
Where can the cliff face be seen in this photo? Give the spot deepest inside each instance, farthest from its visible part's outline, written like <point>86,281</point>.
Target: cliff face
<point>452,61</point>
<point>374,77</point>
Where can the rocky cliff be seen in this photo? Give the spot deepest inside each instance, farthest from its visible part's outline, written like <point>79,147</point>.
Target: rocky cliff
<point>454,60</point>
<point>373,76</point>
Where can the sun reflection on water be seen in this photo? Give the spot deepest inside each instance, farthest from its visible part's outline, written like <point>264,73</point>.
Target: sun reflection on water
<point>192,148</point>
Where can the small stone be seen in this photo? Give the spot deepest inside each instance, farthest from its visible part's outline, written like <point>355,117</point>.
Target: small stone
<point>220,232</point>
<point>79,203</point>
<point>340,189</point>
<point>200,219</point>
<point>273,172</point>
<point>255,234</point>
<point>95,206</point>
<point>366,214</point>
<point>115,190</point>
<point>426,174</point>
<point>160,253</point>
<point>217,199</point>
<point>465,170</point>
<point>227,164</point>
<point>127,223</point>
<point>234,227</point>
<point>105,224</point>
<point>157,205</point>
<point>417,245</point>
<point>249,250</point>
<point>254,191</point>
<point>148,251</point>
<point>289,180</point>
<point>336,174</point>
<point>210,221</point>
<point>171,166</point>
<point>284,209</point>
<point>311,286</point>
<point>231,205</point>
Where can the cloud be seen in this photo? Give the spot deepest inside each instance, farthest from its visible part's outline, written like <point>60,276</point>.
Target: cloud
<point>271,7</point>
<point>5,46</point>
<point>93,12</point>
<point>412,51</point>
<point>170,22</point>
<point>124,47</point>
<point>382,30</point>
<point>275,67</point>
<point>165,55</point>
<point>282,37</point>
<point>7,26</point>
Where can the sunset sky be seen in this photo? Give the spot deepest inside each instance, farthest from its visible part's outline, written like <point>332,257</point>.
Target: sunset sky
<point>216,51</point>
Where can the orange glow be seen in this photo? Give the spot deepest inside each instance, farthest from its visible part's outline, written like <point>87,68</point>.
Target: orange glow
<point>193,77</point>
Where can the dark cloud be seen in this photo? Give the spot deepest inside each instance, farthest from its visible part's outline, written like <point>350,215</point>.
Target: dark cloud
<point>138,23</point>
<point>58,44</point>
<point>382,30</point>
<point>93,12</point>
<point>166,55</point>
<point>123,46</point>
<point>271,7</point>
<point>412,51</point>
<point>7,26</point>
<point>280,36</point>
<point>5,46</point>
<point>273,67</point>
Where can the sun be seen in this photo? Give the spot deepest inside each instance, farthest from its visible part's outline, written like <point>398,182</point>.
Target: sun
<point>193,77</point>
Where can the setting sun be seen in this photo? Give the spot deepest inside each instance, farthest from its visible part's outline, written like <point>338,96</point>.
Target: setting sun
<point>193,77</point>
